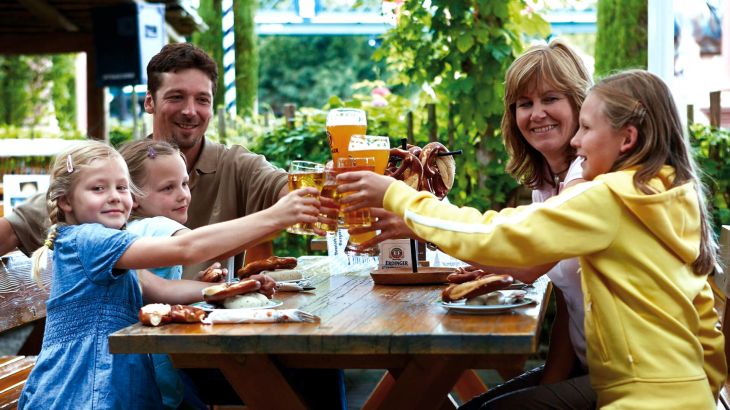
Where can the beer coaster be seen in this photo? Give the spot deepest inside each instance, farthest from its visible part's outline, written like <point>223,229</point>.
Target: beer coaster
<point>406,276</point>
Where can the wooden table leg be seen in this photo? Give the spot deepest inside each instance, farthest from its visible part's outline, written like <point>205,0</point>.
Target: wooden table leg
<point>469,386</point>
<point>255,378</point>
<point>512,370</point>
<point>425,382</point>
<point>382,390</point>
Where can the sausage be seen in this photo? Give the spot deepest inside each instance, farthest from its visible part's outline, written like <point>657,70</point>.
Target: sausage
<point>226,290</point>
<point>474,288</point>
<point>156,314</point>
<point>186,314</point>
<point>270,263</point>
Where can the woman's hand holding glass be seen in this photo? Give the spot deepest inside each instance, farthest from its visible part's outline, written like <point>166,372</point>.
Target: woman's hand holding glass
<point>389,226</point>
<point>365,189</point>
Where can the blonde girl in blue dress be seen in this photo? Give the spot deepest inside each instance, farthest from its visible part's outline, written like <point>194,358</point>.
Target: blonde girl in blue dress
<point>95,290</point>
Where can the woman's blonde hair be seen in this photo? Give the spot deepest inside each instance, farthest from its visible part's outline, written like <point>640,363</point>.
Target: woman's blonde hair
<point>137,153</point>
<point>641,99</point>
<point>64,172</point>
<point>558,67</point>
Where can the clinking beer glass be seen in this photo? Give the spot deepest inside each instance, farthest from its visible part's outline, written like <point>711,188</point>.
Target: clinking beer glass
<point>305,174</point>
<point>361,217</point>
<point>377,147</point>
<point>341,124</point>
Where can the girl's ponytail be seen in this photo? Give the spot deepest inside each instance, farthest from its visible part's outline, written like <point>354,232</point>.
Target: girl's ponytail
<point>40,256</point>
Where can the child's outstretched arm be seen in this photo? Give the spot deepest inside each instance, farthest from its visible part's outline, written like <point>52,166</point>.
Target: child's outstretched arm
<point>174,292</point>
<point>208,241</point>
<point>182,292</point>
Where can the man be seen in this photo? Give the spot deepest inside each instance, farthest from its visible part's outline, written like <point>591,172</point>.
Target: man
<point>225,183</point>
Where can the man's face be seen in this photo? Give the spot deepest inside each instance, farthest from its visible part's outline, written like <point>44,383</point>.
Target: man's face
<point>181,107</point>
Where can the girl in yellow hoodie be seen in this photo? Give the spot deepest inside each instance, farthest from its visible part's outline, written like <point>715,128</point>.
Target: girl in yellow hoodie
<point>640,229</point>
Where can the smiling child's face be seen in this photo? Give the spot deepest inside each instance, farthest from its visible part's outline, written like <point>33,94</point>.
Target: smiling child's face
<point>165,188</point>
<point>100,194</point>
<point>597,141</point>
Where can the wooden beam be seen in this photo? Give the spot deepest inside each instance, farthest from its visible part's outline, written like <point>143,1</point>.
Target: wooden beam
<point>45,43</point>
<point>95,115</point>
<point>48,14</point>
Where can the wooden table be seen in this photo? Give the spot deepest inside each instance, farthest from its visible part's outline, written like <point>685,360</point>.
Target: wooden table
<point>398,328</point>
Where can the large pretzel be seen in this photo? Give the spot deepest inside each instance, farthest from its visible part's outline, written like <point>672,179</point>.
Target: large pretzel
<point>438,172</point>
<point>409,170</point>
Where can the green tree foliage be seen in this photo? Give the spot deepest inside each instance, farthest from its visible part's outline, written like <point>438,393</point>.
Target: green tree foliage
<point>621,37</point>
<point>15,75</point>
<point>211,40</point>
<point>462,50</point>
<point>64,89</point>
<point>247,60</point>
<point>711,148</point>
<point>308,70</point>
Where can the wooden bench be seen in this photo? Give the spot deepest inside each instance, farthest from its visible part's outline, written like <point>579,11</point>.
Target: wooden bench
<point>22,301</point>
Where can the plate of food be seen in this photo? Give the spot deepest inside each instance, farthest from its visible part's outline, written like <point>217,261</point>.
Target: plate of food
<point>239,304</point>
<point>243,294</point>
<point>492,303</point>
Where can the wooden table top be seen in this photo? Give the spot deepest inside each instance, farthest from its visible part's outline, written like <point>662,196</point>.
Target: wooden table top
<point>357,317</point>
<point>21,299</point>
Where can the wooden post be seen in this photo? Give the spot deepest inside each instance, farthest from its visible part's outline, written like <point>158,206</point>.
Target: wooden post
<point>451,129</point>
<point>222,125</point>
<point>409,127</point>
<point>432,125</point>
<point>690,115</point>
<point>289,113</point>
<point>715,109</point>
<point>96,127</point>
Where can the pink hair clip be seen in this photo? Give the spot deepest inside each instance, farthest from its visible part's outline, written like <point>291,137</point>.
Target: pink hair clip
<point>151,153</point>
<point>69,164</point>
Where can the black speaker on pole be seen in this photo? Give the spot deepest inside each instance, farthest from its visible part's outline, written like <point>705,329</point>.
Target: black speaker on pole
<point>126,36</point>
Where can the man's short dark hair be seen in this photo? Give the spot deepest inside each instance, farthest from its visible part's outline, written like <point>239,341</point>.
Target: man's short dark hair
<point>179,56</point>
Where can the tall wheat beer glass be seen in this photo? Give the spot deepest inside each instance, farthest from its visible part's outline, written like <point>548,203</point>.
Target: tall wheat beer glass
<point>377,147</point>
<point>304,174</point>
<point>341,124</point>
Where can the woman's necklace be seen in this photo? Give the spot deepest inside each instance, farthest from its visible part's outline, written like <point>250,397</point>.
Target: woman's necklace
<point>557,179</point>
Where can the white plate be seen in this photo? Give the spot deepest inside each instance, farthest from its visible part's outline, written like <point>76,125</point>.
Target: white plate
<point>460,306</point>
<point>210,307</point>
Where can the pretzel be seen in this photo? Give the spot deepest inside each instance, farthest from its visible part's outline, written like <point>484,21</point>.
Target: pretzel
<point>438,172</point>
<point>270,263</point>
<point>474,288</point>
<point>156,314</point>
<point>410,169</point>
<point>226,290</point>
<point>212,275</point>
<point>466,274</point>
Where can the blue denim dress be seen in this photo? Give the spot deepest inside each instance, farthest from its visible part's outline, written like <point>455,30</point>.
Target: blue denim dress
<point>168,381</point>
<point>89,300</point>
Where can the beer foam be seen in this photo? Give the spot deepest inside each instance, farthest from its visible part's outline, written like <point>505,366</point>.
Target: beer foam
<point>368,142</point>
<point>346,116</point>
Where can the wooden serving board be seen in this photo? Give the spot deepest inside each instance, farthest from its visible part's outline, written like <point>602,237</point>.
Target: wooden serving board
<point>406,276</point>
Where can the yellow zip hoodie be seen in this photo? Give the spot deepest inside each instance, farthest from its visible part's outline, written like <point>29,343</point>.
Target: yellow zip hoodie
<point>650,324</point>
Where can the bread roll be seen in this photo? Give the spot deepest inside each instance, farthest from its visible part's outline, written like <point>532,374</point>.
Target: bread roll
<point>493,298</point>
<point>249,300</point>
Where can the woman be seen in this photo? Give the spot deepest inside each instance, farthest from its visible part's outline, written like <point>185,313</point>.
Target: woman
<point>544,90</point>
